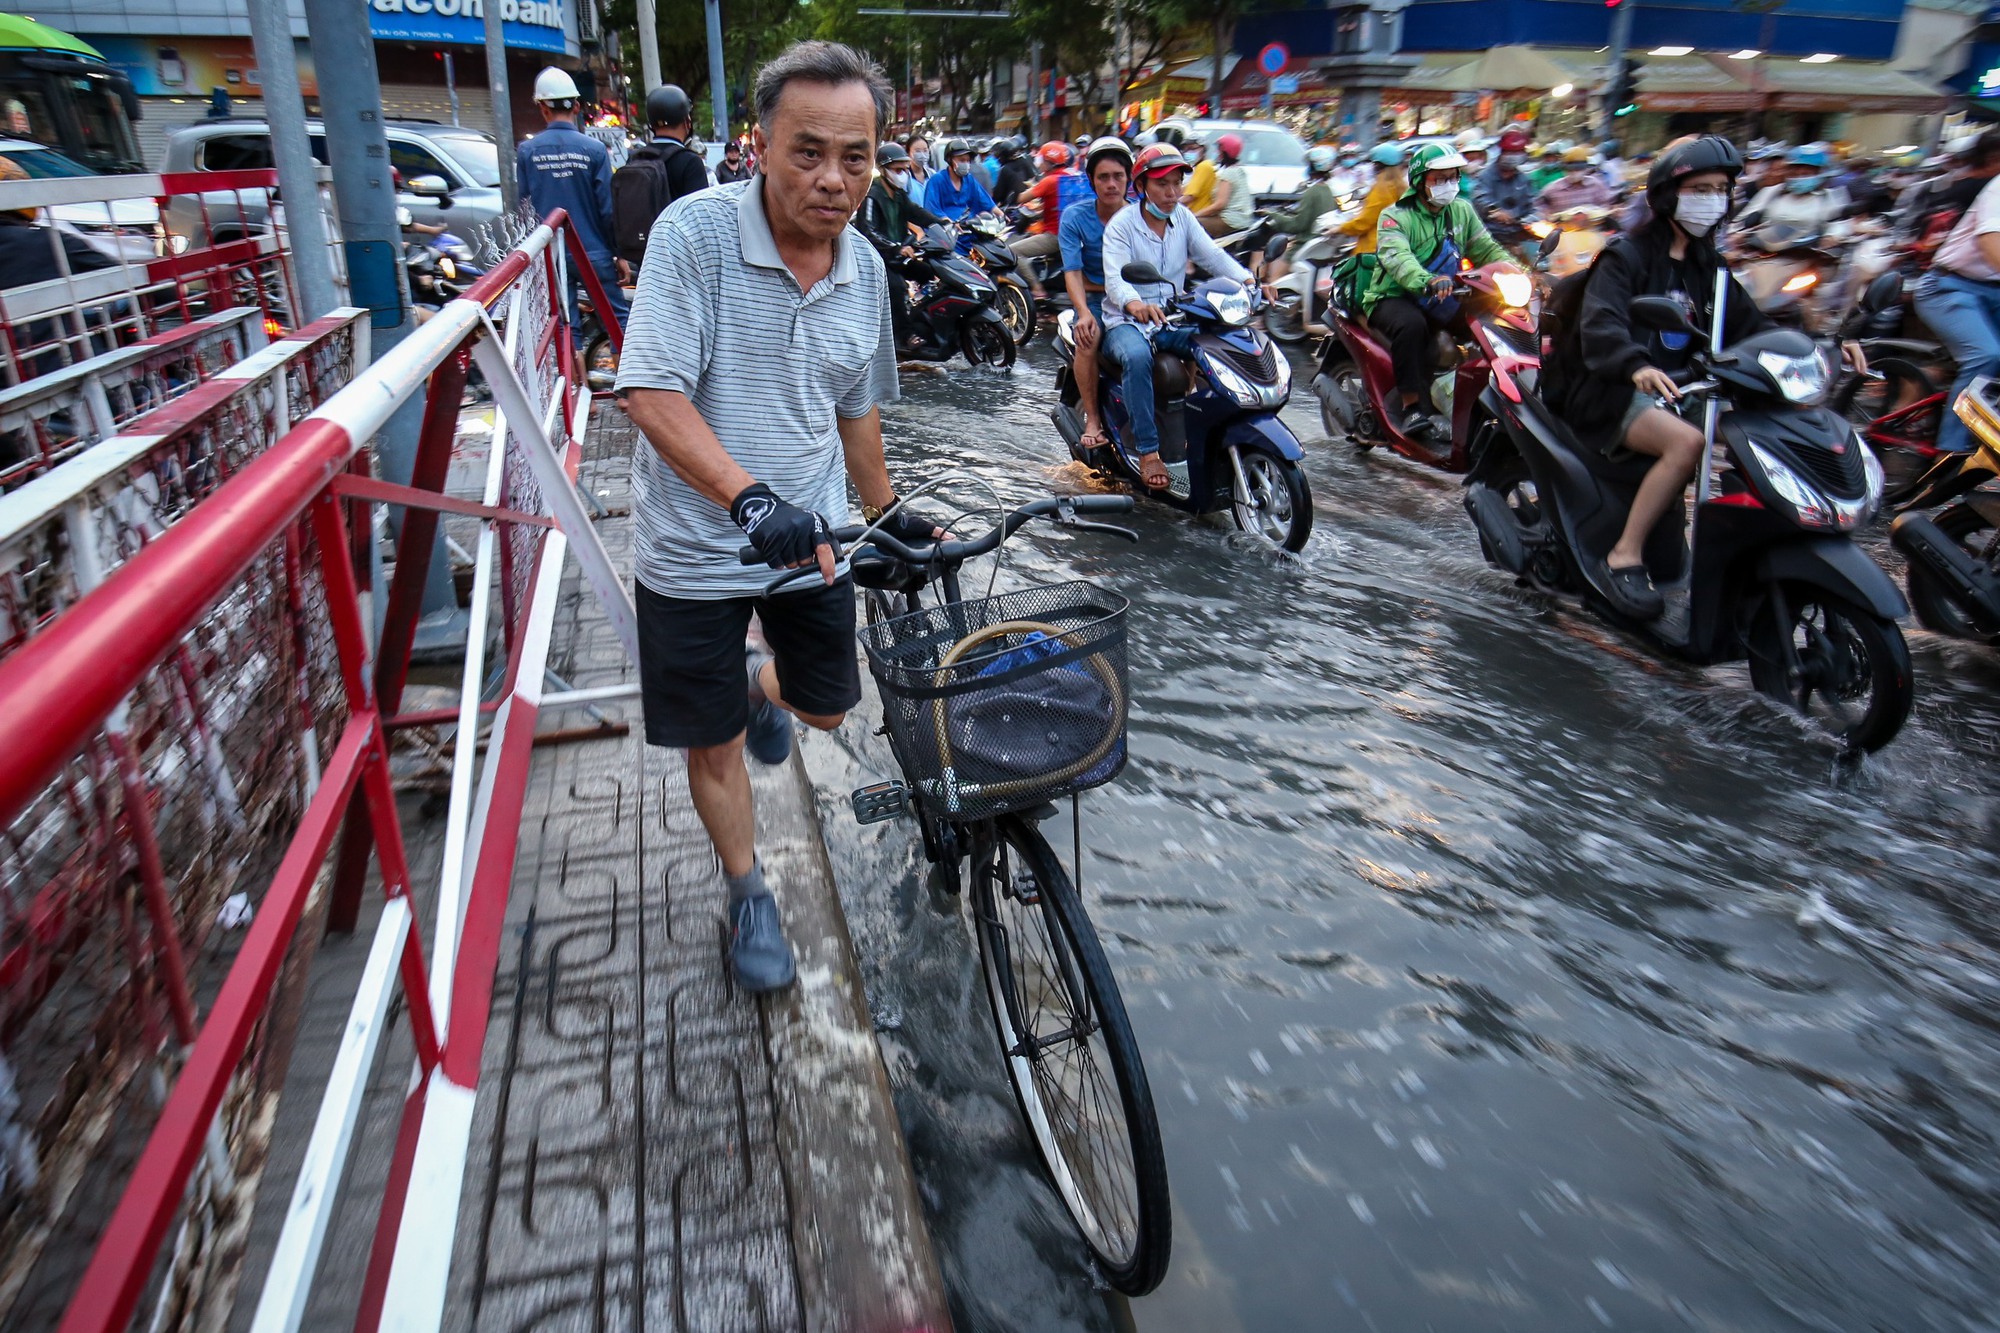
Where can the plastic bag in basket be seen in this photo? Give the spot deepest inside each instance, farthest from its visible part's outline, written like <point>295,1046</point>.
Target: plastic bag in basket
<point>1036,724</point>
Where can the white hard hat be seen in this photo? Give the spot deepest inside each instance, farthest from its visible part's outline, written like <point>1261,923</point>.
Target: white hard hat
<point>555,85</point>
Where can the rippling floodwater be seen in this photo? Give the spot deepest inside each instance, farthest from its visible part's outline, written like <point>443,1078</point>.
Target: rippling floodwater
<point>1491,972</point>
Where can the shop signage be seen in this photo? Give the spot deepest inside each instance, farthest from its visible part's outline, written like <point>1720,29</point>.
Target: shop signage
<point>537,25</point>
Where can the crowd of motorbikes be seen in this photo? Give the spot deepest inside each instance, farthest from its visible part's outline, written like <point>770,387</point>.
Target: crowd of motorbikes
<point>1802,456</point>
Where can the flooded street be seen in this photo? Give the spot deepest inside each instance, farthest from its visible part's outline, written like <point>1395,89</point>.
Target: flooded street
<point>1491,972</point>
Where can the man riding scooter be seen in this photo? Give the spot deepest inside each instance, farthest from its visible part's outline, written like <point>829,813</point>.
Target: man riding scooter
<point>1158,231</point>
<point>1505,199</point>
<point>1421,242</point>
<point>887,215</point>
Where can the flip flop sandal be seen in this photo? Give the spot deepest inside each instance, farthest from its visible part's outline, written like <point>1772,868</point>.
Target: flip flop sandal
<point>1094,439</point>
<point>1156,477</point>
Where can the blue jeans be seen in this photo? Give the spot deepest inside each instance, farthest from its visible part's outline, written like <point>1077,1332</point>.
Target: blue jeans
<point>1965,315</point>
<point>607,273</point>
<point>1128,345</point>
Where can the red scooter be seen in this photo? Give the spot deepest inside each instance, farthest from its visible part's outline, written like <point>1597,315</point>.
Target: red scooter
<point>1356,380</point>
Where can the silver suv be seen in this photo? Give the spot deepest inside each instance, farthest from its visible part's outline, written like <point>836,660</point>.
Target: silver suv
<point>450,175</point>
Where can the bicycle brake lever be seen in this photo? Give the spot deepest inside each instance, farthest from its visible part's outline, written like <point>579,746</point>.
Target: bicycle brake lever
<point>1067,517</point>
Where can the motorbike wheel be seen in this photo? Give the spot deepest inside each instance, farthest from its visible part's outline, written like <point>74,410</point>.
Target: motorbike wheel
<point>1854,668</point>
<point>986,344</point>
<point>1017,310</point>
<point>1284,320</point>
<point>1280,506</point>
<point>1346,377</point>
<point>600,363</point>
<point>1935,607</point>
<point>1510,480</point>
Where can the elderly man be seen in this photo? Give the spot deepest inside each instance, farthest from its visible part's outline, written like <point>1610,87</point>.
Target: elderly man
<point>757,359</point>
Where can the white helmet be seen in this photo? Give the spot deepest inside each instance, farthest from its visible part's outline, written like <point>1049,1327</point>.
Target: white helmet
<point>1469,141</point>
<point>555,85</point>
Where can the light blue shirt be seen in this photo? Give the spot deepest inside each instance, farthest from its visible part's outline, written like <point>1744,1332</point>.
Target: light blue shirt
<point>1127,239</point>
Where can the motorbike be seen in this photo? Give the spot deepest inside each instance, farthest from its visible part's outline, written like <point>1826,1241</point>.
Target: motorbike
<point>983,240</point>
<point>1953,578</point>
<point>1773,575</point>
<point>1783,268</point>
<point>1356,380</point>
<point>1580,233</point>
<point>955,310</point>
<point>1898,404</point>
<point>1303,295</point>
<point>1221,440</point>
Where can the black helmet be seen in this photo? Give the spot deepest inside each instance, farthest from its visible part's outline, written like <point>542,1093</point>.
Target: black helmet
<point>1009,148</point>
<point>1711,152</point>
<point>668,105</point>
<point>955,148</point>
<point>890,154</point>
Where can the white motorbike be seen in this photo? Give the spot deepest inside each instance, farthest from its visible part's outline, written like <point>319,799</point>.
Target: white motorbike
<point>1300,298</point>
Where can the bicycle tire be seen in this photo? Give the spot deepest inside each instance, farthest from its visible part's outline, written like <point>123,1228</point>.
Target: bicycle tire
<point>1131,1234</point>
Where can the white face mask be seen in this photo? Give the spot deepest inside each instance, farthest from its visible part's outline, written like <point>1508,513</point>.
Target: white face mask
<point>1442,194</point>
<point>1698,213</point>
<point>897,178</point>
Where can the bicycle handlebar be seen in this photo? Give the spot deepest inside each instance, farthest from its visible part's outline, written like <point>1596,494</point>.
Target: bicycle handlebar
<point>1065,509</point>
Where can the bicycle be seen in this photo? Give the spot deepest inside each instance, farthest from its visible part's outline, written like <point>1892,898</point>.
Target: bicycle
<point>960,681</point>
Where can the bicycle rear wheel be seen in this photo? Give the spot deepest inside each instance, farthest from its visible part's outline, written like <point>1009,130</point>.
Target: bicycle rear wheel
<point>1071,1056</point>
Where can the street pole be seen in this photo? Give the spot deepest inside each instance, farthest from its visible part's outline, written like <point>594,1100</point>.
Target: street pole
<point>291,153</point>
<point>649,49</point>
<point>451,85</point>
<point>1035,89</point>
<point>364,196</point>
<point>1621,37</point>
<point>718,82</point>
<point>503,106</point>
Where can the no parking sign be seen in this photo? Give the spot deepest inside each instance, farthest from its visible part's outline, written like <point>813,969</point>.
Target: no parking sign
<point>1273,59</point>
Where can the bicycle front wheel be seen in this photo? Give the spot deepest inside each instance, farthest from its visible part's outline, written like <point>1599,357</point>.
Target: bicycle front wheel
<point>1071,1056</point>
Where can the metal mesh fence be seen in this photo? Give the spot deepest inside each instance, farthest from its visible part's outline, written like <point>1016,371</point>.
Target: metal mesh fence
<point>221,743</point>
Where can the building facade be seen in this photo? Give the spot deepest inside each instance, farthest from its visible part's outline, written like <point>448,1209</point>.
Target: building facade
<point>430,53</point>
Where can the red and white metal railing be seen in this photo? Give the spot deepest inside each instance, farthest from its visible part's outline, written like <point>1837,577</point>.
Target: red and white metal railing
<point>278,532</point>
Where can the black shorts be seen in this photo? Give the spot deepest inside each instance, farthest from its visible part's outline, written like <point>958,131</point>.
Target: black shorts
<point>691,677</point>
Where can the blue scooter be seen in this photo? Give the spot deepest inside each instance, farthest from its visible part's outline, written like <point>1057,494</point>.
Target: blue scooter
<point>1220,437</point>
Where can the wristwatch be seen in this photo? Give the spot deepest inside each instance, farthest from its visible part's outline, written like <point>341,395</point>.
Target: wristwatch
<point>872,514</point>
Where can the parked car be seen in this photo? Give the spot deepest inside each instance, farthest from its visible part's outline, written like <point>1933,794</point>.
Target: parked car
<point>449,175</point>
<point>127,230</point>
<point>1273,157</point>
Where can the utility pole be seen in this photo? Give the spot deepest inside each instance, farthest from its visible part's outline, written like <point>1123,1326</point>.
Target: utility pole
<point>503,105</point>
<point>291,153</point>
<point>1035,89</point>
<point>718,82</point>
<point>649,48</point>
<point>350,100</point>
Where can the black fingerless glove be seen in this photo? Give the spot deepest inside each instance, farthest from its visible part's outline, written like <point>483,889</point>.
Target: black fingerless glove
<point>784,534</point>
<point>906,526</point>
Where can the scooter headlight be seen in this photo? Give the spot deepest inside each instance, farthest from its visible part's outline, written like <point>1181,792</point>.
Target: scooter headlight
<point>449,269</point>
<point>1871,468</point>
<point>1232,308</point>
<point>1515,288</point>
<point>1230,382</point>
<point>1808,506</point>
<point>1802,379</point>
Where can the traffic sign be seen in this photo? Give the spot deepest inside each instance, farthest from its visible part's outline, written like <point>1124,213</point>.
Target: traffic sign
<point>1285,83</point>
<point>1273,58</point>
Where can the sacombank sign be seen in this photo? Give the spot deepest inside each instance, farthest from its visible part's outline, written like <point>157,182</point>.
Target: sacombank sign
<point>535,24</point>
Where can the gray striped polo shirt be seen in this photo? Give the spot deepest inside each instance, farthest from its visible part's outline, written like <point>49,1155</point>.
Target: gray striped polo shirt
<point>719,318</point>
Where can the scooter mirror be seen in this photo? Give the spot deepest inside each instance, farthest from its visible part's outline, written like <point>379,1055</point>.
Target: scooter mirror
<point>1550,242</point>
<point>1884,292</point>
<point>1140,272</point>
<point>1661,313</point>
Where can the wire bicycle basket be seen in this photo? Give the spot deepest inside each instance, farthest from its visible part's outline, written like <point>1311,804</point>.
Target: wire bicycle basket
<point>1002,703</point>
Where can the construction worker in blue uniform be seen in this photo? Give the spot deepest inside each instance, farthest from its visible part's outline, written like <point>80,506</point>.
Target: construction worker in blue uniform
<point>562,167</point>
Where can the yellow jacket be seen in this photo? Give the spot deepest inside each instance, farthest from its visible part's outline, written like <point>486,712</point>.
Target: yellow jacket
<point>1200,191</point>
<point>1386,190</point>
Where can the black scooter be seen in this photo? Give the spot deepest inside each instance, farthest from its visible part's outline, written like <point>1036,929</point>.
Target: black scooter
<point>1774,576</point>
<point>954,311</point>
<point>1014,300</point>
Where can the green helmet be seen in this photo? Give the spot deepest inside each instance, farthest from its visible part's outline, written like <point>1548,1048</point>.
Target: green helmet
<point>1434,157</point>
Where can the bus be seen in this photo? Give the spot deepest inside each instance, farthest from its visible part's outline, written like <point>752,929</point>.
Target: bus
<point>57,90</point>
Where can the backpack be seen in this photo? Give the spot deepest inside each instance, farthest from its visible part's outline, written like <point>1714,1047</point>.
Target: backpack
<point>639,191</point>
<point>1562,337</point>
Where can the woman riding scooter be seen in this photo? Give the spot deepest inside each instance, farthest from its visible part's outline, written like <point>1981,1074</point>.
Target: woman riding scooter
<point>1611,381</point>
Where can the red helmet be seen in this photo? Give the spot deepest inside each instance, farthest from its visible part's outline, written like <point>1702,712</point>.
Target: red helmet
<point>1513,139</point>
<point>1156,160</point>
<point>1055,154</point>
<point>1230,146</point>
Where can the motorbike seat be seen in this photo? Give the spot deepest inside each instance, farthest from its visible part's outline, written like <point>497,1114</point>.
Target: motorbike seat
<point>1623,474</point>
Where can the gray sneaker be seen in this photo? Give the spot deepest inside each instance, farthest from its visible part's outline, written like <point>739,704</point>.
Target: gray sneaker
<point>758,952</point>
